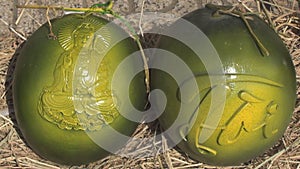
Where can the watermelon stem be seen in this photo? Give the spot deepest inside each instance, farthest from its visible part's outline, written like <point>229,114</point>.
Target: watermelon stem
<point>233,11</point>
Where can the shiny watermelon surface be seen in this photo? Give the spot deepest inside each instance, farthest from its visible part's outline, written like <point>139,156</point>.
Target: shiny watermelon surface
<point>260,90</point>
<point>62,88</point>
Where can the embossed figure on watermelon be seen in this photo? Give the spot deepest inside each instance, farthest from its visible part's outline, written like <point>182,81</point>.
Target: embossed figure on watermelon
<point>97,108</point>
<point>62,89</point>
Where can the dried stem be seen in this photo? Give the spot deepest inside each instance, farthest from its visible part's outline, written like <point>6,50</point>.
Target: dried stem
<point>141,18</point>
<point>231,10</point>
<point>51,34</point>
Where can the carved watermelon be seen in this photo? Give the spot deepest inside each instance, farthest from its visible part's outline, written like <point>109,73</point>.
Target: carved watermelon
<point>63,91</point>
<point>259,87</point>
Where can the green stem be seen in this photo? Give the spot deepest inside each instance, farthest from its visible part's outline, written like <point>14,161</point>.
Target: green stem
<point>96,10</point>
<point>137,39</point>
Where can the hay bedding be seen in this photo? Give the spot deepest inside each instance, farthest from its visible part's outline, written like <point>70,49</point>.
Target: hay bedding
<point>17,25</point>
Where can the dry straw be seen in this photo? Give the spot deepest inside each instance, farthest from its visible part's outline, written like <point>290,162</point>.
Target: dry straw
<point>17,25</point>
